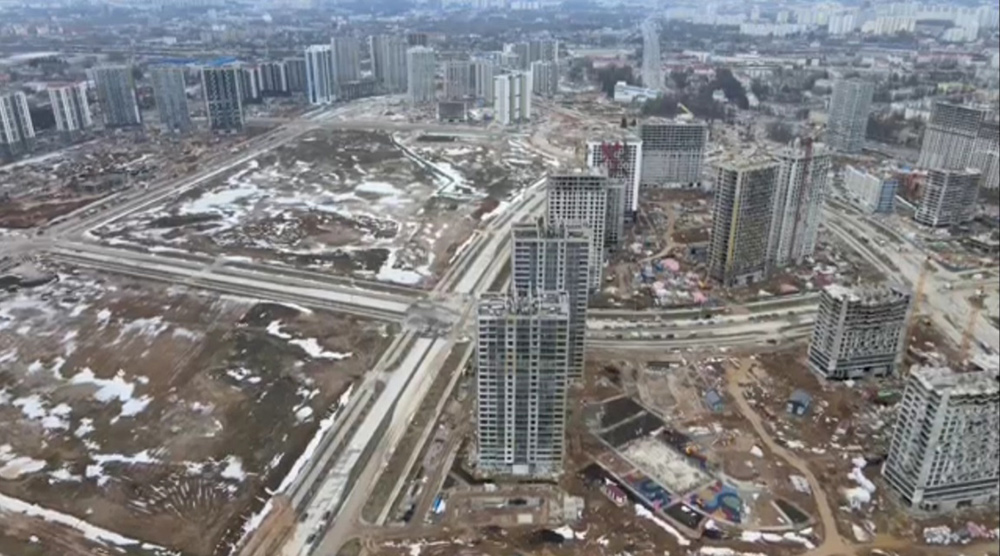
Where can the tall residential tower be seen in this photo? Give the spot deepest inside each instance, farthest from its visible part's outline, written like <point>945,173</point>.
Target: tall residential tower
<point>673,152</point>
<point>223,97</point>
<point>116,95</point>
<point>170,93</point>
<point>71,108</point>
<point>850,107</point>
<point>17,133</point>
<point>798,202</point>
<point>421,67</point>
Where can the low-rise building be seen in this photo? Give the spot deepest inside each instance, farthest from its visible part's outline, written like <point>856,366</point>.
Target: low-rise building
<point>874,191</point>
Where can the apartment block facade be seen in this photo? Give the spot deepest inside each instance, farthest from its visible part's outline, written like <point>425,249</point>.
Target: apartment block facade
<point>421,68</point>
<point>850,107</point>
<point>741,226</point>
<point>874,192</point>
<point>17,132</point>
<point>522,380</point>
<point>458,80</point>
<point>223,97</point>
<point>388,58</point>
<point>319,74</point>
<point>951,137</point>
<point>346,60</point>
<point>116,96</point>
<point>545,78</point>
<point>170,94</point>
<point>512,98</point>
<point>949,199</point>
<point>620,156</point>
<point>945,447</point>
<point>798,202</point>
<point>859,332</point>
<point>71,108</point>
<point>552,259</point>
<point>580,201</point>
<point>673,152</point>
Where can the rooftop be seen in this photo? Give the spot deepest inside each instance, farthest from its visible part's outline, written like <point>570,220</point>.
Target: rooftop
<point>944,379</point>
<point>552,304</point>
<point>869,295</point>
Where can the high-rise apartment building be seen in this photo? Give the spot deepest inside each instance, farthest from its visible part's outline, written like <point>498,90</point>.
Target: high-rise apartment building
<point>549,259</point>
<point>170,94</point>
<point>850,107</point>
<point>528,52</point>
<point>673,152</point>
<point>875,192</point>
<point>17,132</point>
<point>652,69</point>
<point>741,225</point>
<point>457,80</point>
<point>221,86</point>
<point>951,137</point>
<point>346,61</point>
<point>295,69</point>
<point>859,332</point>
<point>946,444</point>
<point>116,96</point>
<point>421,67</point>
<point>621,157</point>
<point>545,78</point>
<point>986,155</point>
<point>512,98</point>
<point>798,202</point>
<point>522,378</point>
<point>483,72</point>
<point>251,86</point>
<point>273,78</point>
<point>71,108</point>
<point>388,55</point>
<point>579,200</point>
<point>319,74</point>
<point>949,198</point>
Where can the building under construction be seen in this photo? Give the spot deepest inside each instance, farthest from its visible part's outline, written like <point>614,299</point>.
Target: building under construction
<point>580,200</point>
<point>859,332</point>
<point>673,152</point>
<point>522,381</point>
<point>744,195</point>
<point>946,443</point>
<point>951,137</point>
<point>950,198</point>
<point>555,259</point>
<point>798,202</point>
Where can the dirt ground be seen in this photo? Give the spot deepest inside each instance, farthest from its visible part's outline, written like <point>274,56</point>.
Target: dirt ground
<point>163,414</point>
<point>354,202</point>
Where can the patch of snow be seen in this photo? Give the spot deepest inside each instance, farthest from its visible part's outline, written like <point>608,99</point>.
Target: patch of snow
<point>274,329</point>
<point>86,427</point>
<point>186,334</point>
<point>644,512</point>
<point>233,469</point>
<point>150,328</point>
<point>757,452</point>
<point>314,350</point>
<point>103,316</point>
<point>304,413</point>
<point>242,374</point>
<point>116,388</point>
<point>377,188</point>
<point>307,454</point>
<point>63,475</point>
<point>862,494</point>
<point>34,408</point>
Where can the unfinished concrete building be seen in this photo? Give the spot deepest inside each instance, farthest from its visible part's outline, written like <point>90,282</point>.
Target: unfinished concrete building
<point>457,80</point>
<point>950,139</point>
<point>522,376</point>
<point>949,198</point>
<point>798,202</point>
<point>545,78</point>
<point>621,155</point>
<point>741,226</point>
<point>552,259</point>
<point>673,152</point>
<point>859,332</point>
<point>946,444</point>
<point>986,157</point>
<point>580,201</point>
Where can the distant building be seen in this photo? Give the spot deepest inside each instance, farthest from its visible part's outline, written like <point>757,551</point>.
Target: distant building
<point>319,74</point>
<point>116,95</point>
<point>17,132</point>
<point>952,136</point>
<point>295,69</point>
<point>273,78</point>
<point>673,152</point>
<point>421,67</point>
<point>741,225</point>
<point>949,199</point>
<point>628,94</point>
<point>652,69</point>
<point>946,443</point>
<point>579,201</point>
<point>859,332</point>
<point>388,56</point>
<point>363,88</point>
<point>552,259</point>
<point>528,52</point>
<point>986,153</point>
<point>71,108</point>
<point>850,107</point>
<point>453,111</point>
<point>545,78</point>
<point>250,84</point>
<point>798,202</point>
<point>523,379</point>
<point>417,39</point>
<point>457,80</point>
<point>483,73</point>
<point>346,61</point>
<point>876,193</point>
<point>512,98</point>
<point>170,93</point>
<point>621,157</point>
<point>223,97</point>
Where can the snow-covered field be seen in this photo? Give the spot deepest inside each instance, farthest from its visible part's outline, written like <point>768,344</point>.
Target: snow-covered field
<point>126,404</point>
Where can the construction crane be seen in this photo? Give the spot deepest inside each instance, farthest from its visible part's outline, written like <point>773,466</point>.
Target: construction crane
<point>976,304</point>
